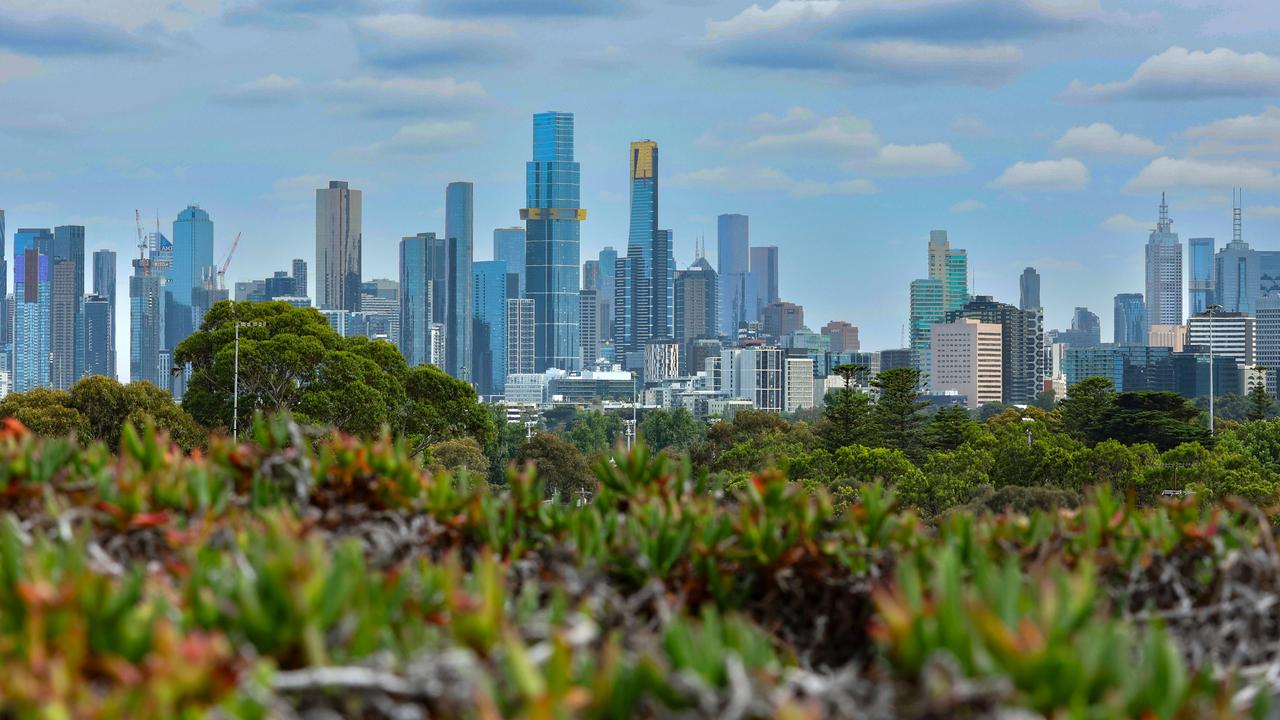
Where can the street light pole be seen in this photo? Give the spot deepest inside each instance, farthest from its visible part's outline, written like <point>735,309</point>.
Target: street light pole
<point>1210,311</point>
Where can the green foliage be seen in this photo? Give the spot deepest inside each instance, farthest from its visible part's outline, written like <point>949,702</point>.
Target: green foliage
<point>672,429</point>
<point>899,413</point>
<point>847,420</point>
<point>561,467</point>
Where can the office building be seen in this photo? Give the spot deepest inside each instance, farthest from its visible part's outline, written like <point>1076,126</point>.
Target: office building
<point>764,265</point>
<point>1170,336</point>
<point>844,336</point>
<point>423,261</point>
<point>338,247</point>
<point>1164,272</point>
<point>607,287</point>
<point>6,328</point>
<point>1200,274</point>
<point>1130,319</point>
<point>1130,368</point>
<point>64,325</point>
<point>755,374</point>
<point>379,309</point>
<point>589,326</point>
<point>591,275</point>
<point>781,318</point>
<point>950,266</point>
<point>927,309</point>
<point>32,290</point>
<point>489,330</point>
<point>737,289</point>
<point>552,215</point>
<point>1228,334</point>
<point>191,269</point>
<point>146,323</point>
<point>521,351</point>
<point>643,279</point>
<point>1022,346</point>
<point>967,359</point>
<point>338,320</point>
<point>696,302</point>
<point>1086,330</point>
<point>896,358</point>
<point>508,247</point>
<point>1267,341</point>
<point>1029,289</point>
<point>1237,274</point>
<point>459,219</point>
<point>251,291</point>
<point>99,336</point>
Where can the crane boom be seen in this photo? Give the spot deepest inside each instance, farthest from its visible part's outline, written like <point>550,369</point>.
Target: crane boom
<point>142,241</point>
<point>225,263</point>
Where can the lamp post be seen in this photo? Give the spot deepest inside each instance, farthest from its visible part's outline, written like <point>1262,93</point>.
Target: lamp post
<point>235,380</point>
<point>1210,312</point>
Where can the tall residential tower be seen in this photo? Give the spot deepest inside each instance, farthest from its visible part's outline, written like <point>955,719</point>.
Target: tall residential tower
<point>338,247</point>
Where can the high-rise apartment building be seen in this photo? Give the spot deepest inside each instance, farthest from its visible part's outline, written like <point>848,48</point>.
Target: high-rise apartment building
<point>459,220</point>
<point>508,246</point>
<point>661,361</point>
<point>1130,319</point>
<point>764,265</point>
<point>552,215</point>
<point>423,261</point>
<point>32,291</point>
<point>1029,289</point>
<point>1200,274</point>
<point>489,329</point>
<point>64,325</point>
<point>1022,346</point>
<point>104,275</point>
<point>299,272</point>
<point>844,336</point>
<point>737,290</point>
<point>950,266</point>
<point>968,359</point>
<point>1164,272</point>
<point>379,315</point>
<point>520,336</point>
<point>798,384</point>
<point>589,327</point>
<point>338,247</point>
<point>643,280</point>
<point>1267,341</point>
<point>608,261</point>
<point>928,307</point>
<point>6,329</point>
<point>755,374</point>
<point>146,323</point>
<point>99,336</point>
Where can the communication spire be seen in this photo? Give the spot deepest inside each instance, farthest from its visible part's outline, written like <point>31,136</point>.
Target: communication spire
<point>1237,197</point>
<point>1165,223</point>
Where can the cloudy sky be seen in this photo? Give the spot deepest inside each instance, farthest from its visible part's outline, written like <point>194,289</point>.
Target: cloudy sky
<point>1037,132</point>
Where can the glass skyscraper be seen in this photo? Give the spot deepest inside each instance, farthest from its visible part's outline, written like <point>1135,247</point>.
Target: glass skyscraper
<point>552,216</point>
<point>1130,319</point>
<point>1029,289</point>
<point>733,241</point>
<point>423,261</point>
<point>1200,292</point>
<point>338,247</point>
<point>489,341</point>
<point>32,294</point>
<point>927,309</point>
<point>643,280</point>
<point>508,246</point>
<point>459,219</point>
<point>1164,273</point>
<point>951,267</point>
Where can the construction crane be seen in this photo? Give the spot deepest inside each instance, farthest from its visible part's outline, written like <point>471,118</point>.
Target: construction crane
<point>142,243</point>
<point>222,271</point>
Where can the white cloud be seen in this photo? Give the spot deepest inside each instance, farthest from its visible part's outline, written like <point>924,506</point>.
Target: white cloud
<point>841,134</point>
<point>1262,211</point>
<point>906,60</point>
<point>402,95</point>
<point>1168,173</point>
<point>1065,174</point>
<point>300,187</point>
<point>267,90</point>
<point>1243,134</point>
<point>967,206</point>
<point>1182,74</point>
<point>766,179</point>
<point>930,159</point>
<point>1103,139</point>
<point>1124,224</point>
<point>404,41</point>
<point>424,138</point>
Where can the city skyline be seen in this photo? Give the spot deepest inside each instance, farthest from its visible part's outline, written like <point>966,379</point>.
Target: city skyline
<point>799,151</point>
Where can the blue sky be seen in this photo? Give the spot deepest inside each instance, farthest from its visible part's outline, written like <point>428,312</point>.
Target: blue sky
<point>1036,132</point>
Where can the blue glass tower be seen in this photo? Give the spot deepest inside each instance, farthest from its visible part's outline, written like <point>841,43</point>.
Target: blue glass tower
<point>31,333</point>
<point>1200,274</point>
<point>552,217</point>
<point>422,264</point>
<point>459,212</point>
<point>1130,319</point>
<point>508,246</point>
<point>644,279</point>
<point>192,267</point>
<point>489,339</point>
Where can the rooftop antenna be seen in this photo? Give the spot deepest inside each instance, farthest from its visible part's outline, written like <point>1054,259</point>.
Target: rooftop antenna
<point>1165,222</point>
<point>1237,197</point>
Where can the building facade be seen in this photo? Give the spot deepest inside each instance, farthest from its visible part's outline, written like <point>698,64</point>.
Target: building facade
<point>508,246</point>
<point>1229,334</point>
<point>459,221</point>
<point>423,261</point>
<point>338,247</point>
<point>553,215</point>
<point>781,318</point>
<point>798,392</point>
<point>643,279</point>
<point>733,243</point>
<point>32,291</point>
<point>1200,274</point>
<point>521,353</point>
<point>927,309</point>
<point>764,265</point>
<point>967,358</point>
<point>489,336</point>
<point>1164,272</point>
<point>950,266</point>
<point>1130,325</point>
<point>1029,289</point>
<point>844,336</point>
<point>1022,346</point>
<point>589,330</point>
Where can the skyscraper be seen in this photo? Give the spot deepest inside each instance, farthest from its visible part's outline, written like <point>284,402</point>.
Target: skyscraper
<point>1130,319</point>
<point>589,328</point>
<point>1200,291</point>
<point>1022,345</point>
<point>66,319</point>
<point>338,247</point>
<point>928,308</point>
<point>697,295</point>
<point>643,279</point>
<point>508,246</point>
<point>146,323</point>
<point>6,330</point>
<point>1164,272</point>
<point>100,335</point>
<point>299,271</point>
<point>844,336</point>
<point>104,275</point>
<point>489,336</point>
<point>608,260</point>
<point>951,267</point>
<point>32,295</point>
<point>764,264</point>
<point>967,358</point>
<point>781,318</point>
<point>591,275</point>
<point>459,219</point>
<point>552,217</point>
<point>520,336</point>
<point>1237,274</point>
<point>192,264</point>
<point>423,260</point>
<point>733,242</point>
<point>1029,289</point>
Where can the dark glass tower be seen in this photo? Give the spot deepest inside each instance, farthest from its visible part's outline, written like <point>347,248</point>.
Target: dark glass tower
<point>552,254</point>
<point>459,219</point>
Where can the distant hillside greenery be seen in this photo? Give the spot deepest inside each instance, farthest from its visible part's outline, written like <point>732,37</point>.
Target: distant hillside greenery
<point>308,573</point>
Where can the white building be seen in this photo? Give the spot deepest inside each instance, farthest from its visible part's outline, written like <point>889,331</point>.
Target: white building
<point>661,361</point>
<point>1229,334</point>
<point>967,360</point>
<point>755,374</point>
<point>799,384</point>
<point>526,389</point>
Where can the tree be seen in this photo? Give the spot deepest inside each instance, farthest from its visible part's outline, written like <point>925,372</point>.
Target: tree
<point>461,454</point>
<point>992,410</point>
<point>503,446</point>
<point>1045,400</point>
<point>899,413</point>
<point>1260,402</point>
<point>672,429</point>
<point>850,373</point>
<point>46,412</point>
<point>562,469</point>
<point>1086,407</point>
<point>846,419</point>
<point>97,408</point>
<point>594,432</point>
<point>1163,419</point>
<point>441,407</point>
<point>950,427</point>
